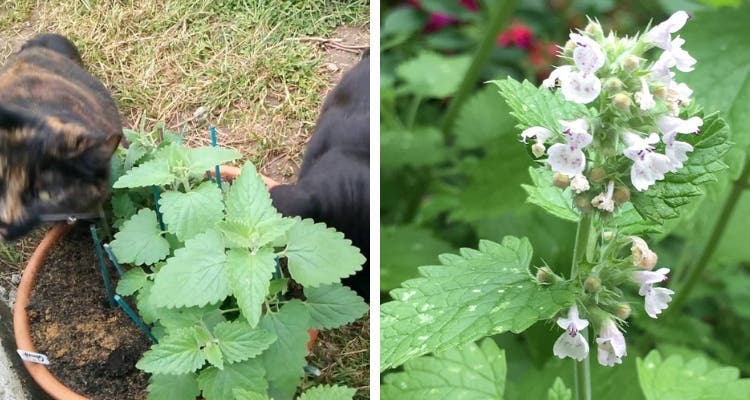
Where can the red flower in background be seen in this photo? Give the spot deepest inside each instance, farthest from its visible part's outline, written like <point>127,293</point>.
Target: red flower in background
<point>438,21</point>
<point>519,35</point>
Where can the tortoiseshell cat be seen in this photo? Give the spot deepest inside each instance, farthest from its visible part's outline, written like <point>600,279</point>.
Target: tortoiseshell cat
<point>59,127</point>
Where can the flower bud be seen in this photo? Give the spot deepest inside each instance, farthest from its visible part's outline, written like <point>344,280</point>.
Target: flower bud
<point>545,275</point>
<point>594,29</point>
<point>608,235</point>
<point>631,63</point>
<point>570,46</point>
<point>621,195</point>
<point>613,85</point>
<point>659,91</point>
<point>597,174</point>
<point>579,184</point>
<point>622,101</point>
<point>560,180</point>
<point>592,284</point>
<point>623,311</point>
<point>537,149</point>
<point>583,203</point>
<point>643,257</point>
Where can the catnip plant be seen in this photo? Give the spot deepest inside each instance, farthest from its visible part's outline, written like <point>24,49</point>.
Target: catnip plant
<point>621,148</point>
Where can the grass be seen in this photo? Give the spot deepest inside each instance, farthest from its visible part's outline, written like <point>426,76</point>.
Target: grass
<point>245,61</point>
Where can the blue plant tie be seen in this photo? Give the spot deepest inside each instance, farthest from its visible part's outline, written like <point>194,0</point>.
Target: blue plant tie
<point>103,266</point>
<point>112,258</point>
<point>155,193</point>
<point>133,316</point>
<point>217,171</point>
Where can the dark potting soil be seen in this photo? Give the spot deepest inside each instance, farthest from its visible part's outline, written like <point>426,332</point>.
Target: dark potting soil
<point>92,348</point>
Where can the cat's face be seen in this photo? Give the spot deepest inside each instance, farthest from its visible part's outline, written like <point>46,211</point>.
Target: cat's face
<point>58,130</point>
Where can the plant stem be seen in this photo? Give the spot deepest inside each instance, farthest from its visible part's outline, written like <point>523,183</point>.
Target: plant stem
<point>581,370</point>
<point>697,269</point>
<point>582,240</point>
<point>582,375</point>
<point>498,17</point>
<point>413,109</point>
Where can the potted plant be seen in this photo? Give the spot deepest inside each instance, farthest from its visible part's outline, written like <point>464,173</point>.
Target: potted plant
<point>205,274</point>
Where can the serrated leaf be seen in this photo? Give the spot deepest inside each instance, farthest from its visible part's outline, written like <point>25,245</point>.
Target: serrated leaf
<point>290,326</point>
<point>153,172</point>
<point>663,200</point>
<point>219,384</point>
<point>432,75</point>
<point>240,394</point>
<point>186,317</point>
<point>202,159</point>
<point>214,355</point>
<point>249,277</point>
<point>629,222</point>
<point>123,206</point>
<point>173,387</point>
<point>550,198</point>
<point>195,275</point>
<point>242,235</point>
<point>146,310</point>
<point>191,213</point>
<point>326,392</point>
<point>139,241</point>
<point>474,129</point>
<point>177,353</point>
<point>318,255</point>
<point>403,249</point>
<point>132,281</point>
<point>534,106</point>
<point>332,306</point>
<point>472,371</point>
<point>248,200</point>
<point>559,391</point>
<point>676,379</point>
<point>477,294</point>
<point>239,341</point>
<point>278,285</point>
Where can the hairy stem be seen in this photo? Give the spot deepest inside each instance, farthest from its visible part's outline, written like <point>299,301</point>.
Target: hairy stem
<point>582,240</point>
<point>498,17</point>
<point>582,375</point>
<point>696,270</point>
<point>581,370</point>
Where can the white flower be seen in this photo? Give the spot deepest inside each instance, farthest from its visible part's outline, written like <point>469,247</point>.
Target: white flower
<point>675,150</point>
<point>580,87</point>
<point>603,201</point>
<point>568,158</point>
<point>669,125</point>
<point>556,76</point>
<point>661,70</point>
<point>571,343</point>
<point>661,35</point>
<point>538,133</point>
<point>656,298</point>
<point>579,184</point>
<point>678,94</point>
<point>611,344</point>
<point>587,55</point>
<point>643,257</point>
<point>682,60</point>
<point>648,166</point>
<point>644,98</point>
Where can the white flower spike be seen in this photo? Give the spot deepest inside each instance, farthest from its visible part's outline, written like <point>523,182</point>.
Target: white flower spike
<point>541,135</point>
<point>580,87</point>
<point>644,98</point>
<point>568,158</point>
<point>648,166</point>
<point>656,298</point>
<point>661,35</point>
<point>587,55</point>
<point>571,343</point>
<point>558,75</point>
<point>611,344</point>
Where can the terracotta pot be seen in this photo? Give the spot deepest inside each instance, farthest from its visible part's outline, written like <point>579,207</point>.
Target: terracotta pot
<point>21,326</point>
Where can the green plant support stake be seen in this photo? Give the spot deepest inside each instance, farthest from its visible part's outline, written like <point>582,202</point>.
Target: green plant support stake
<point>112,258</point>
<point>134,317</point>
<point>155,193</point>
<point>213,144</point>
<point>103,266</point>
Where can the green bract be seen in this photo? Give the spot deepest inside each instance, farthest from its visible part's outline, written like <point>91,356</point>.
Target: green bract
<point>212,287</point>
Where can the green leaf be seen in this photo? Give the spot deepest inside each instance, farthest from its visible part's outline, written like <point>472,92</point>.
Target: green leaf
<point>483,119</point>
<point>132,281</point>
<point>550,198</point>
<point>318,255</point>
<point>191,213</point>
<point>154,172</point>
<point>421,146</point>
<point>171,387</point>
<point>214,355</point>
<point>326,392</point>
<point>202,159</point>
<point>403,249</point>
<point>278,285</point>
<point>559,391</point>
<point>249,277</point>
<point>186,317</point>
<point>477,294</point>
<point>432,75</point>
<point>146,309</point>
<point>248,200</point>
<point>195,275</point>
<point>285,359</point>
<point>238,341</point>
<point>240,394</point>
<point>676,379</point>
<point>475,372</point>
<point>219,384</point>
<point>533,106</point>
<point>139,241</point>
<point>177,353</point>
<point>332,306</point>
<point>663,200</point>
<point>629,222</point>
<point>123,206</point>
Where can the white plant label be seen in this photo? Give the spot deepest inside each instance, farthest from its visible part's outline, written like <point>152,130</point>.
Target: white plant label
<point>33,357</point>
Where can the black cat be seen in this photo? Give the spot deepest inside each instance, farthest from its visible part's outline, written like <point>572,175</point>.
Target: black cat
<point>334,182</point>
<point>59,127</point>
